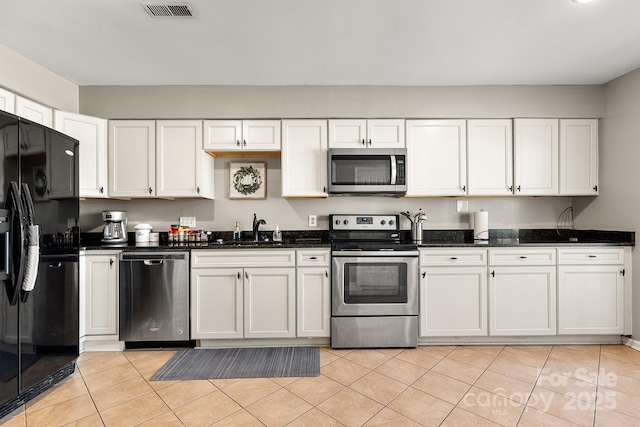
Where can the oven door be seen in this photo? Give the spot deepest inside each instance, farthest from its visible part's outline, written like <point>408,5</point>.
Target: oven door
<point>374,283</point>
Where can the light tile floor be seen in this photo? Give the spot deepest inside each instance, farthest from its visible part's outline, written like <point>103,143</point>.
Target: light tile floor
<point>440,385</point>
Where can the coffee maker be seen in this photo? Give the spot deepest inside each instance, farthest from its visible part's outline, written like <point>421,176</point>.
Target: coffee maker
<point>115,228</point>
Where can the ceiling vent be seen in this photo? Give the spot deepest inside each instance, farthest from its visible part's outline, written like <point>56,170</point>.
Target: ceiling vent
<point>173,10</point>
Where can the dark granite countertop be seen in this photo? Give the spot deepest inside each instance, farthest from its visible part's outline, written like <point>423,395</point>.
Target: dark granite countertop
<point>528,238</point>
<point>431,239</point>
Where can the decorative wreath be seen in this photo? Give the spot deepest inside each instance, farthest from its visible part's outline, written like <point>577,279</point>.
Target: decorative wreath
<point>247,180</point>
<point>40,184</point>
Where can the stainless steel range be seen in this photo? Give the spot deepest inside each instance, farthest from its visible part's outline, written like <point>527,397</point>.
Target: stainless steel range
<point>374,284</point>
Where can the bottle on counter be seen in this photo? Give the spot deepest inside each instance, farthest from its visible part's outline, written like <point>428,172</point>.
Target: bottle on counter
<point>237,233</point>
<point>277,235</point>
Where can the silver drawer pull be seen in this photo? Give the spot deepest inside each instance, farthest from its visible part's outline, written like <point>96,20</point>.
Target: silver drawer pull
<point>313,257</point>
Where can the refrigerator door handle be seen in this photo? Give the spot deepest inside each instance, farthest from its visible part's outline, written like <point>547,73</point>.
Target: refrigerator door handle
<point>5,231</point>
<point>32,255</point>
<point>15,268</point>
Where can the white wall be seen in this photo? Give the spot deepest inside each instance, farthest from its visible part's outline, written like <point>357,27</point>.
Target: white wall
<point>618,205</point>
<point>326,102</point>
<point>30,80</point>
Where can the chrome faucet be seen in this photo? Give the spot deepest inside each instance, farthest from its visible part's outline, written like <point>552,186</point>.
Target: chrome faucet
<point>256,225</point>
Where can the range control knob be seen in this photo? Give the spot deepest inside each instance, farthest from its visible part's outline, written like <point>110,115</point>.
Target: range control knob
<point>337,222</point>
<point>383,222</point>
<point>345,222</point>
<point>391,222</point>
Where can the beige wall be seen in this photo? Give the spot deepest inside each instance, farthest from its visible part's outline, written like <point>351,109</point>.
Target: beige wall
<point>618,205</point>
<point>30,80</point>
<point>181,102</point>
<point>323,102</point>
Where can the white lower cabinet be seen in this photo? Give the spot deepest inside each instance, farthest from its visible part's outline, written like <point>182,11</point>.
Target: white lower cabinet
<point>269,302</point>
<point>313,293</point>
<point>453,292</point>
<point>591,291</point>
<point>216,303</point>
<point>99,295</point>
<point>243,294</point>
<point>522,292</point>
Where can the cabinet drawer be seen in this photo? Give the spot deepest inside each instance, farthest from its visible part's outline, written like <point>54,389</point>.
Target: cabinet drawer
<point>530,256</point>
<point>458,256</point>
<point>243,258</point>
<point>313,257</point>
<point>591,256</point>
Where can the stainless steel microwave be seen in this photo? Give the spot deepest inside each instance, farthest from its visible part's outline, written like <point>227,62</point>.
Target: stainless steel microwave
<point>367,171</point>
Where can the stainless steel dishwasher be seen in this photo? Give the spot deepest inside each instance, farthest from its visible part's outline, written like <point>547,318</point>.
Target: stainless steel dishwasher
<point>154,296</point>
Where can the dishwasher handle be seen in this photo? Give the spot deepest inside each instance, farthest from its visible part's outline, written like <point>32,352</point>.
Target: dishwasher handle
<point>153,262</point>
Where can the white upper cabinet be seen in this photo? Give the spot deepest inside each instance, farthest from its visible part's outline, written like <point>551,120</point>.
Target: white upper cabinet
<point>158,159</point>
<point>33,111</point>
<point>490,157</point>
<point>579,157</point>
<point>183,169</point>
<point>304,158</point>
<point>132,158</point>
<point>242,135</point>
<point>535,157</point>
<point>7,101</point>
<point>437,153</point>
<point>375,133</point>
<point>91,132</point>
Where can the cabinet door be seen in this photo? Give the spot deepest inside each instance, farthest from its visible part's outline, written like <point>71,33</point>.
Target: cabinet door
<point>132,158</point>
<point>61,180</point>
<point>490,157</point>
<point>261,135</point>
<point>223,135</point>
<point>437,152</point>
<point>33,111</point>
<point>579,157</point>
<point>347,133</point>
<point>522,301</point>
<point>179,158</point>
<point>535,157</point>
<point>216,303</point>
<point>269,302</point>
<point>314,302</point>
<point>91,132</point>
<point>590,299</point>
<point>385,133</point>
<point>101,294</point>
<point>453,301</point>
<point>7,101</point>
<point>304,158</point>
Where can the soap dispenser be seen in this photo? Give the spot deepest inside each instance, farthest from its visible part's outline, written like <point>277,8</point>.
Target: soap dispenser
<point>277,235</point>
<point>237,234</point>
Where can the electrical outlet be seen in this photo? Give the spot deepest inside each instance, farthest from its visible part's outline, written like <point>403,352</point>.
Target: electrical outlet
<point>313,220</point>
<point>188,221</point>
<point>462,206</point>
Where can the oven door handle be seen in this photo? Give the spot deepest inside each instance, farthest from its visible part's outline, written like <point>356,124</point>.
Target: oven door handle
<point>377,254</point>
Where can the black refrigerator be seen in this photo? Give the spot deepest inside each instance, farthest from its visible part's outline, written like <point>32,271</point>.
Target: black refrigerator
<point>39,259</point>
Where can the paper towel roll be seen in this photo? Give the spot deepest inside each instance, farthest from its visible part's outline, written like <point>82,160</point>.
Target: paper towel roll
<point>481,225</point>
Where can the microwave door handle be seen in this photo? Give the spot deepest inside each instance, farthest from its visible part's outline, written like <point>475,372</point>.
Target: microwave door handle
<point>393,170</point>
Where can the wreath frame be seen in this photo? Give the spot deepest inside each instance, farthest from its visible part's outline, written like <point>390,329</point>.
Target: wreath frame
<point>247,180</point>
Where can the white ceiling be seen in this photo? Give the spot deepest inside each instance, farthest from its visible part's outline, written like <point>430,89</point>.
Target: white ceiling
<point>328,42</point>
